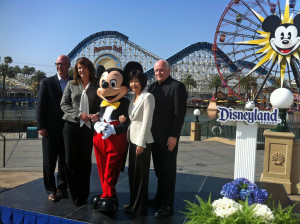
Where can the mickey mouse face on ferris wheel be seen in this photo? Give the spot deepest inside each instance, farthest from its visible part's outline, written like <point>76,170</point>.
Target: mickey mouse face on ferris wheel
<point>284,38</point>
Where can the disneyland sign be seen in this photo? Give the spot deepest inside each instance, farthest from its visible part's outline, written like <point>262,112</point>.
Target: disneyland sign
<point>109,48</point>
<point>249,116</point>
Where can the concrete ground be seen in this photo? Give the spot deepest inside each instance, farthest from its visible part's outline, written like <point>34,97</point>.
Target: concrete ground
<point>211,157</point>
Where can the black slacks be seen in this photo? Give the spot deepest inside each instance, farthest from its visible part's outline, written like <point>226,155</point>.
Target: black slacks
<point>54,151</point>
<point>138,173</point>
<point>165,163</point>
<point>78,145</point>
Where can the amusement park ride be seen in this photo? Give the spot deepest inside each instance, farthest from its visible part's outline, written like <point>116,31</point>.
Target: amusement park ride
<point>259,41</point>
<point>242,54</point>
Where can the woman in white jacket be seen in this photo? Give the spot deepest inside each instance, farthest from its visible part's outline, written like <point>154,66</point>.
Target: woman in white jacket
<point>139,135</point>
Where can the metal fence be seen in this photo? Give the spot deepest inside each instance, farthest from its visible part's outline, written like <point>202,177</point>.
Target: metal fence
<point>213,128</point>
<point>19,128</point>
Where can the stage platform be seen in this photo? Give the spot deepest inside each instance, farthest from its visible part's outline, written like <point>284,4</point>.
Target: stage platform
<point>31,199</point>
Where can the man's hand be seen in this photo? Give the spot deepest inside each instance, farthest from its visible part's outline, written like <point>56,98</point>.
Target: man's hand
<point>43,132</point>
<point>172,141</point>
<point>139,150</point>
<point>122,119</point>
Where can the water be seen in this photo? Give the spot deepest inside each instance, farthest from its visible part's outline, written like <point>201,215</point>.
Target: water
<point>11,111</point>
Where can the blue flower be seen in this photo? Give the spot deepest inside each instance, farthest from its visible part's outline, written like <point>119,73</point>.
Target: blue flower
<point>244,193</point>
<point>251,187</point>
<point>241,181</point>
<point>260,196</point>
<point>230,190</point>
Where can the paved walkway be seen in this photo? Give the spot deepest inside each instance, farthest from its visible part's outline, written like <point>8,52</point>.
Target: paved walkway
<point>212,157</point>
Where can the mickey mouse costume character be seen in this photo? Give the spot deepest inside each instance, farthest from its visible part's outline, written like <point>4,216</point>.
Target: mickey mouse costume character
<point>110,141</point>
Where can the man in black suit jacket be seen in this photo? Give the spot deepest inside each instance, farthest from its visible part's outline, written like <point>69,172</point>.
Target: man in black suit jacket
<point>50,126</point>
<point>170,107</point>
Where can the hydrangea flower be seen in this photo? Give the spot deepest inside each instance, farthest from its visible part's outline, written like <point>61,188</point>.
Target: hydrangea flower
<point>225,207</point>
<point>260,196</point>
<point>230,190</point>
<point>242,189</point>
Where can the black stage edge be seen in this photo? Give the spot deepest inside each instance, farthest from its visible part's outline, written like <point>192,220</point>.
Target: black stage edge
<point>32,197</point>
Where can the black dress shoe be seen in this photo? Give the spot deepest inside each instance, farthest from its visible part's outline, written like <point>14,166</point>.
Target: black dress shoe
<point>164,212</point>
<point>62,194</point>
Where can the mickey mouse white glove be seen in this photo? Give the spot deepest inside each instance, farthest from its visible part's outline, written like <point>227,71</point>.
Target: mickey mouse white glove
<point>99,126</point>
<point>108,131</point>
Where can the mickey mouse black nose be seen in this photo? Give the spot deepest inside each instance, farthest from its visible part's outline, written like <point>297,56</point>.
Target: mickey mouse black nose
<point>105,85</point>
<point>285,41</point>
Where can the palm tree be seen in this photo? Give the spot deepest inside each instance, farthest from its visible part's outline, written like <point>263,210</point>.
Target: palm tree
<point>215,82</point>
<point>189,82</point>
<point>17,69</point>
<point>27,70</point>
<point>6,71</point>
<point>8,60</point>
<point>249,83</point>
<point>36,79</point>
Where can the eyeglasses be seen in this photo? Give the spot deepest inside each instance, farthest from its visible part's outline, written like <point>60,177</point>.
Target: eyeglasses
<point>61,64</point>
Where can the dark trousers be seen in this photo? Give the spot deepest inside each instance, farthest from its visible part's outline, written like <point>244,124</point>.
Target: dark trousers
<point>138,173</point>
<point>164,162</point>
<point>78,145</point>
<point>54,151</point>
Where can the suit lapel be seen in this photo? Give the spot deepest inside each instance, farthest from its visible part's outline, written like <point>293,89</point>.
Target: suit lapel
<point>57,84</point>
<point>138,103</point>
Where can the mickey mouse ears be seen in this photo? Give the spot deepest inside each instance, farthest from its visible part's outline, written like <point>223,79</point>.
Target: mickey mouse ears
<point>131,66</point>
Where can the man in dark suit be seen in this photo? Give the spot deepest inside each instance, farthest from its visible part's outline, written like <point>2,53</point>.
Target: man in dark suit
<point>170,107</point>
<point>50,126</point>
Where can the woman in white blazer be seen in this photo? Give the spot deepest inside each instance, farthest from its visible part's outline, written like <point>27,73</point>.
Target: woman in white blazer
<point>139,135</point>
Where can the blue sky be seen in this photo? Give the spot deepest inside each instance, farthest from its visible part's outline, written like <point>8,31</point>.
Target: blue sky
<point>35,32</point>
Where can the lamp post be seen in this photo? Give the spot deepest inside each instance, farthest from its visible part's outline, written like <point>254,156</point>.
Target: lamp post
<point>282,99</point>
<point>197,113</point>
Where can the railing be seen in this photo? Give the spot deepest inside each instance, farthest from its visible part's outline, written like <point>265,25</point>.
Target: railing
<point>213,128</point>
<point>2,138</point>
<point>18,128</point>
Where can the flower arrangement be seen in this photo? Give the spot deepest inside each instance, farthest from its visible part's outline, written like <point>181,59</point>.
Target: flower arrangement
<point>243,202</point>
<point>242,189</point>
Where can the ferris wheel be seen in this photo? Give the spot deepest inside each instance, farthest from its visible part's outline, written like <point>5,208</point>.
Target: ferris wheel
<point>256,47</point>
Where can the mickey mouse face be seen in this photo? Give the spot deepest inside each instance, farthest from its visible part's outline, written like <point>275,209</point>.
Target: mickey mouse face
<point>285,39</point>
<point>111,85</point>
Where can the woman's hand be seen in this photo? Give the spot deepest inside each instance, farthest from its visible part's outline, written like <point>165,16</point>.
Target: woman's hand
<point>122,119</point>
<point>94,117</point>
<point>139,150</point>
<point>84,117</point>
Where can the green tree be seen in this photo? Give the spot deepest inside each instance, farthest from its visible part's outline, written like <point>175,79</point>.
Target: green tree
<point>36,79</point>
<point>249,84</point>
<point>27,70</point>
<point>70,72</point>
<point>215,82</point>
<point>6,71</point>
<point>189,82</point>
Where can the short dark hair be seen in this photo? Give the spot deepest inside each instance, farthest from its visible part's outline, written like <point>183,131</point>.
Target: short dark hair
<point>140,76</point>
<point>85,62</point>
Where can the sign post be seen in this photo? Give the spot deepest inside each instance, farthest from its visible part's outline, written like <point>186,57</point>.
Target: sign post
<point>247,123</point>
